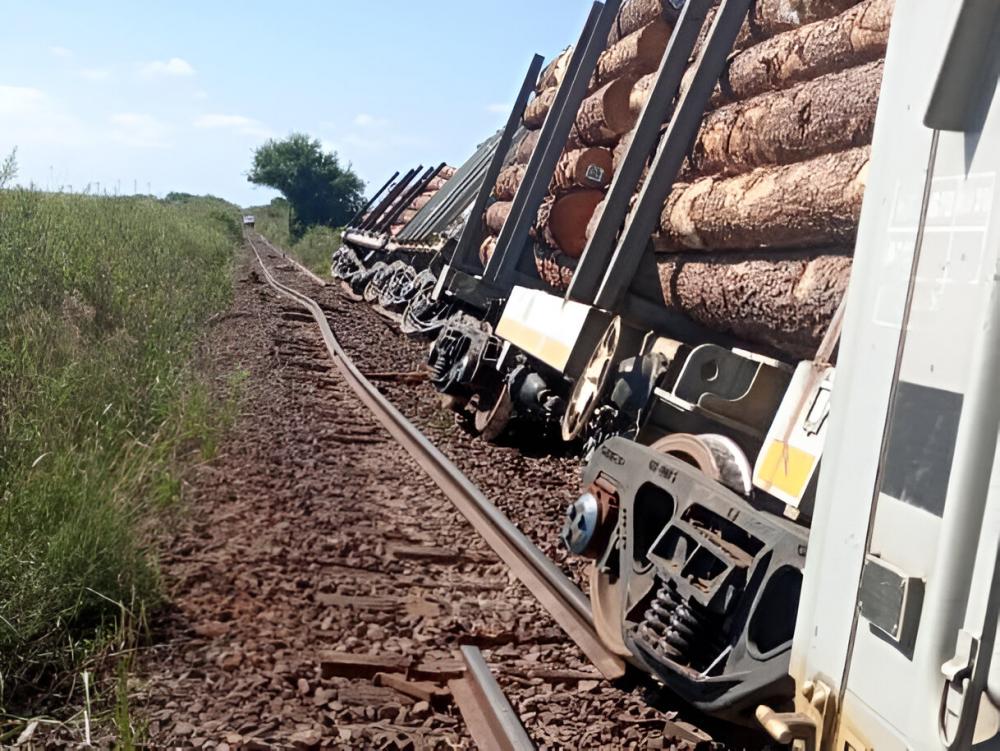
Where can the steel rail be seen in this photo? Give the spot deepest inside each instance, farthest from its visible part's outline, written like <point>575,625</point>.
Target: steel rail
<point>567,605</point>
<point>491,720</point>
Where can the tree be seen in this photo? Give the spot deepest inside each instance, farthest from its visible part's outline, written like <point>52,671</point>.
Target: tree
<point>8,169</point>
<point>319,189</point>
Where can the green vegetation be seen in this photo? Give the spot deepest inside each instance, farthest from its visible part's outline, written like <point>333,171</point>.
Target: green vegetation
<point>313,249</point>
<point>101,301</point>
<point>320,191</point>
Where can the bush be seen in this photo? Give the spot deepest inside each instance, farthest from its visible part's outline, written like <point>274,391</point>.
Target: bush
<point>101,300</point>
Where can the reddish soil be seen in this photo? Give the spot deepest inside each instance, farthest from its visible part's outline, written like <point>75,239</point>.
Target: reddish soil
<point>313,534</point>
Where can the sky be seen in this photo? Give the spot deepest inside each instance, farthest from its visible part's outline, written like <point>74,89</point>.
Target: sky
<point>127,96</point>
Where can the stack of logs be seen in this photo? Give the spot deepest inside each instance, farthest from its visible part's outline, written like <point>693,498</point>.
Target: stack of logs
<point>585,168</point>
<point>757,235</point>
<point>421,200</point>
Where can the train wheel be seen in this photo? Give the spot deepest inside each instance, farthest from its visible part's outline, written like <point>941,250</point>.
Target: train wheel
<point>590,386</point>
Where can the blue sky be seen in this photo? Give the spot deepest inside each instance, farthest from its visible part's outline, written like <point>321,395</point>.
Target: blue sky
<point>177,97</point>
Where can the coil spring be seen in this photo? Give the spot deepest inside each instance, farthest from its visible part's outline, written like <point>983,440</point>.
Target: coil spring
<point>680,631</point>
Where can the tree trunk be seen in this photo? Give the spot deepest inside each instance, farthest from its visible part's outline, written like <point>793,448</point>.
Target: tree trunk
<point>583,168</point>
<point>554,267</point>
<point>785,300</point>
<point>635,55</point>
<point>640,93</point>
<point>526,147</point>
<point>605,116</point>
<point>830,113</point>
<point>407,216</point>
<point>538,108</point>
<point>435,185</point>
<point>632,16</point>
<point>770,17</point>
<point>422,200</point>
<point>508,182</point>
<point>805,204</point>
<point>447,172</point>
<point>496,215</point>
<point>553,74</point>
<point>854,37</point>
<point>486,249</point>
<point>562,222</point>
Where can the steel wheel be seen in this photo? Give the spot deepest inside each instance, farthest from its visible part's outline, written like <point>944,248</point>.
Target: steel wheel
<point>590,386</point>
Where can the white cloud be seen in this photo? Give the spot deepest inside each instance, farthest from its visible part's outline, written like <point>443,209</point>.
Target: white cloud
<point>240,124</point>
<point>31,117</point>
<point>21,100</point>
<point>200,95</point>
<point>364,120</point>
<point>139,130</point>
<point>175,66</point>
<point>94,74</point>
<point>498,107</point>
<point>57,51</point>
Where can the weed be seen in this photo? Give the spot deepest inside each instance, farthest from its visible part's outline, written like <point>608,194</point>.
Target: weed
<point>101,300</point>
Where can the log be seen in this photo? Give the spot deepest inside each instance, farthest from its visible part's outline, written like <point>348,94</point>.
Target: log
<point>435,185</point>
<point>508,182</point>
<point>554,267</point>
<point>396,229</point>
<point>783,299</point>
<point>447,172</point>
<point>407,216</point>
<point>563,221</point>
<point>857,36</point>
<point>583,168</point>
<point>640,93</point>
<point>605,116</point>
<point>811,203</point>
<point>496,215</point>
<point>486,249</point>
<point>538,108</point>
<point>637,54</point>
<point>632,16</point>
<point>830,113</point>
<point>422,200</point>
<point>553,74</point>
<point>526,147</point>
<point>770,17</point>
<point>540,230</point>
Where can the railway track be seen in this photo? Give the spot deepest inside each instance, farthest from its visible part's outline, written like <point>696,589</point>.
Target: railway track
<point>567,605</point>
<point>328,583</point>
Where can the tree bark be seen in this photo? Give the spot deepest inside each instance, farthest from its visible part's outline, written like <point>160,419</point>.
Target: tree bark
<point>553,74</point>
<point>784,300</point>
<point>857,36</point>
<point>508,182</point>
<point>633,15</point>
<point>640,93</point>
<point>811,203</point>
<point>420,201</point>
<point>526,147</point>
<point>554,267</point>
<point>496,215</point>
<point>562,222</point>
<point>538,108</point>
<point>635,55</point>
<point>770,17</point>
<point>605,116</point>
<point>583,168</point>
<point>486,249</point>
<point>830,113</point>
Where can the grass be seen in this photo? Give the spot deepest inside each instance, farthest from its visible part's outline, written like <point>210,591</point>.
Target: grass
<point>101,302</point>
<point>313,249</point>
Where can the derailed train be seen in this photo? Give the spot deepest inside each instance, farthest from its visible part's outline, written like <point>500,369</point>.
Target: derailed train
<point>651,259</point>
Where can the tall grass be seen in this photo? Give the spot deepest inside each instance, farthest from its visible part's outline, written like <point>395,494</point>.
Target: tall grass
<point>313,249</point>
<point>101,300</point>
